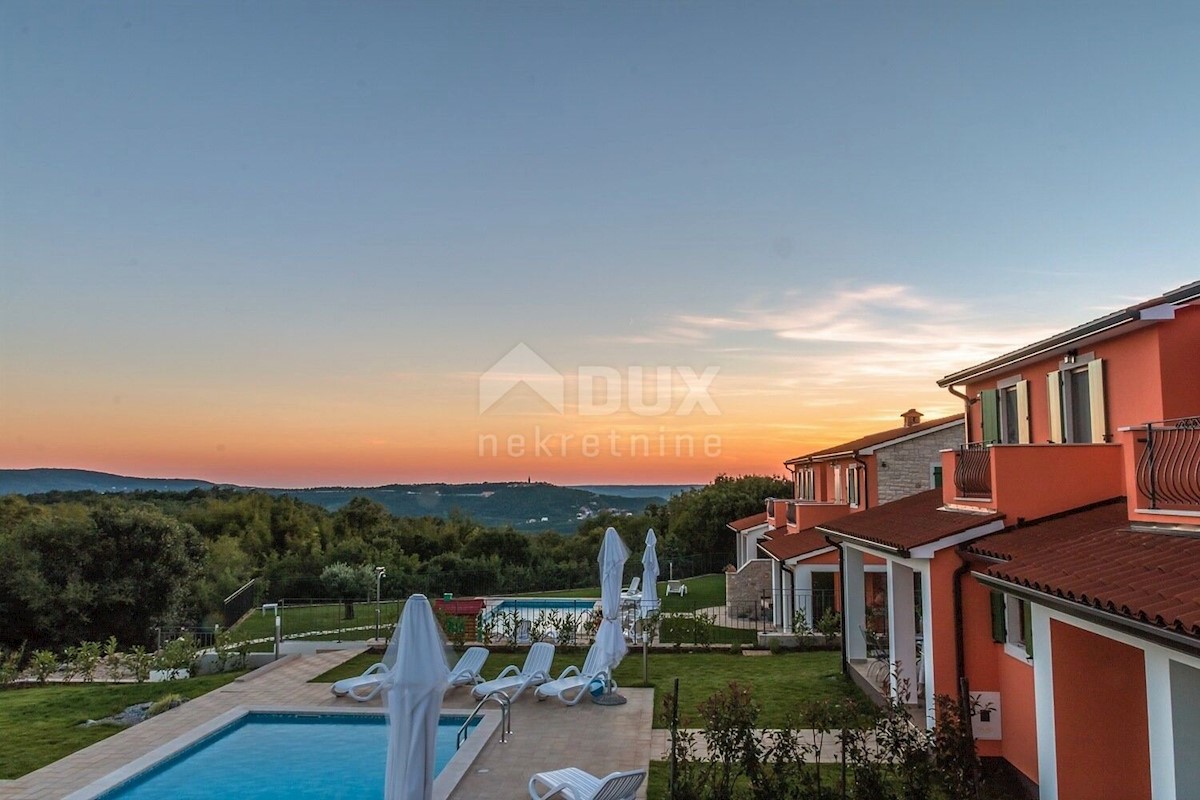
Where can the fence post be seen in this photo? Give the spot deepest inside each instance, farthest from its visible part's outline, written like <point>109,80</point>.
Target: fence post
<point>671,744</point>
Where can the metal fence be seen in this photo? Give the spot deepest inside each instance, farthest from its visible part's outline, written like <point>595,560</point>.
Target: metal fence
<point>241,601</point>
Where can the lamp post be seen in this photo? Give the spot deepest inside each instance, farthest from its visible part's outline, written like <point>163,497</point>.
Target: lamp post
<point>380,573</point>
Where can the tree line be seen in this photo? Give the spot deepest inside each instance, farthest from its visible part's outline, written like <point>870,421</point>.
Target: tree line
<point>82,566</point>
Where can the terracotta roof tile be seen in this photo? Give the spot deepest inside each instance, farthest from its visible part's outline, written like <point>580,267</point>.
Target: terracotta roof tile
<point>873,439</point>
<point>752,521</point>
<point>908,522</point>
<point>792,545</point>
<point>1094,558</point>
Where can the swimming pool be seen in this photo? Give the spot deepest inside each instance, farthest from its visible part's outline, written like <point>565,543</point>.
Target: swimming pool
<point>273,755</point>
<point>529,607</point>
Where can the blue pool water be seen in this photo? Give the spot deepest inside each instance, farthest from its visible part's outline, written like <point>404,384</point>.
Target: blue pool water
<point>529,606</point>
<point>281,757</point>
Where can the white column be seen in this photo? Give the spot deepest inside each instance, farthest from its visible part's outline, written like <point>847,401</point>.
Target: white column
<point>854,603</point>
<point>1043,700</point>
<point>1161,724</point>
<point>803,592</point>
<point>786,600</point>
<point>776,593</point>
<point>902,631</point>
<point>927,643</point>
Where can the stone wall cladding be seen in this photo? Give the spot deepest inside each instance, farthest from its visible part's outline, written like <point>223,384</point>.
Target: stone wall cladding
<point>908,463</point>
<point>744,589</point>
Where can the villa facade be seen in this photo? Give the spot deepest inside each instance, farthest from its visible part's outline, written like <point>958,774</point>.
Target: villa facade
<point>1055,576</point>
<point>780,552</point>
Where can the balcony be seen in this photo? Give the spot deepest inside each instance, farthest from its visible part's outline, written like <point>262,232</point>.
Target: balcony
<point>797,515</point>
<point>1031,481</point>
<point>973,472</point>
<point>1167,457</point>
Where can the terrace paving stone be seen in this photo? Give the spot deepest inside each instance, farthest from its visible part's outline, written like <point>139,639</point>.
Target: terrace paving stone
<point>546,735</point>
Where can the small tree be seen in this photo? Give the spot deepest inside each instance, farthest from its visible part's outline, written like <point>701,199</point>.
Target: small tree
<point>44,664</point>
<point>347,582</point>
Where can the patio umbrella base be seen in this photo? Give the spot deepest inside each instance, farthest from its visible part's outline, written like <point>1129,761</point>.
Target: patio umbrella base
<point>609,699</point>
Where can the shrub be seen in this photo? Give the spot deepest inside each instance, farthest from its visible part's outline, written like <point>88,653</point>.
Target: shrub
<point>10,664</point>
<point>87,659</point>
<point>177,656</point>
<point>775,645</point>
<point>139,662</point>
<point>113,661</point>
<point>44,664</point>
<point>735,648</point>
<point>830,626</point>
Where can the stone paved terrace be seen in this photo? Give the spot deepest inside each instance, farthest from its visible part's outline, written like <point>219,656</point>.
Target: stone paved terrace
<point>545,735</point>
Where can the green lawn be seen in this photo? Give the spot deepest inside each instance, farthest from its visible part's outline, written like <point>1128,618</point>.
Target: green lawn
<point>328,617</point>
<point>780,683</point>
<point>40,725</point>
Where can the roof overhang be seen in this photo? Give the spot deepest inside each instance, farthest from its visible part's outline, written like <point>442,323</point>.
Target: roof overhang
<point>927,550</point>
<point>820,551</point>
<point>1143,630</point>
<point>1106,327</point>
<point>752,529</point>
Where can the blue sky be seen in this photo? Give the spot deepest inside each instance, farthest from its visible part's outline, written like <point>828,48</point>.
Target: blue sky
<point>218,208</point>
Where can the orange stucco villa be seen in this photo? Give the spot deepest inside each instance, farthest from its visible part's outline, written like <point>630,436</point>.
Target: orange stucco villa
<point>1055,574</point>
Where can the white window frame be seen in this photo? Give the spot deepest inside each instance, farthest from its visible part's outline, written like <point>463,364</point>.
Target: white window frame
<point>1020,390</point>
<point>1014,620</point>
<point>1060,390</point>
<point>837,483</point>
<point>853,488</point>
<point>805,484</point>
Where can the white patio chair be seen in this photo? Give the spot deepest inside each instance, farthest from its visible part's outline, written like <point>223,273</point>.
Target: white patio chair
<point>634,590</point>
<point>571,685</point>
<point>466,671</point>
<point>362,687</point>
<point>575,784</point>
<point>535,672</point>
<point>677,587</point>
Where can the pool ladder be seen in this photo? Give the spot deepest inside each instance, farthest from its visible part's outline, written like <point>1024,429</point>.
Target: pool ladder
<point>505,704</point>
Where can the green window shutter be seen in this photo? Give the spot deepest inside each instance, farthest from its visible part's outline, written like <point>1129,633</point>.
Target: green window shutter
<point>989,402</point>
<point>1027,612</point>
<point>937,477</point>
<point>998,631</point>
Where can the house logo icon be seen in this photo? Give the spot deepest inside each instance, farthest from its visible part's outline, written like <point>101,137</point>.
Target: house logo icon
<point>521,365</point>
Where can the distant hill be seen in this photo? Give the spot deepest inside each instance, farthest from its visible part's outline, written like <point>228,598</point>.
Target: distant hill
<point>36,481</point>
<point>639,490</point>
<point>525,506</point>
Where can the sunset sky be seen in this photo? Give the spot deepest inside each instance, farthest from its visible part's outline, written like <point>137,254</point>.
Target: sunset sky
<point>280,243</point>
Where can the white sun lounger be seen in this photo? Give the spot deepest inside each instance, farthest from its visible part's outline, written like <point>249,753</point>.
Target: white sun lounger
<point>513,681</point>
<point>575,784</point>
<point>466,671</point>
<point>634,590</point>
<point>362,687</point>
<point>366,686</point>
<point>572,685</point>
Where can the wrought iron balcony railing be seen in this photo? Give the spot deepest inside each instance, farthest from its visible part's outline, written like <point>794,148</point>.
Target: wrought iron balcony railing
<point>1168,465</point>
<point>973,471</point>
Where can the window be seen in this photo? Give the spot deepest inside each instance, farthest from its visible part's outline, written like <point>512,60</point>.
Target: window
<point>1012,625</point>
<point>837,483</point>
<point>852,485</point>
<point>805,487</point>
<point>1005,412</point>
<point>1076,392</point>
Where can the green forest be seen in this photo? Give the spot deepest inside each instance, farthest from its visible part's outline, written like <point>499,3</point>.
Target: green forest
<point>83,566</point>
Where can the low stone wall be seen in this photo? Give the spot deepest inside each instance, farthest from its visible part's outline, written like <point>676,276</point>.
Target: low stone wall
<point>745,588</point>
